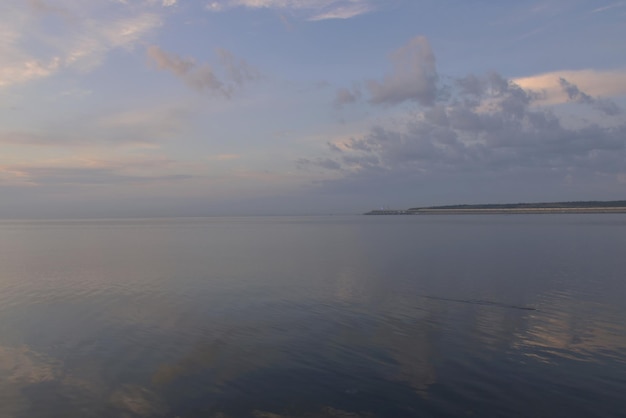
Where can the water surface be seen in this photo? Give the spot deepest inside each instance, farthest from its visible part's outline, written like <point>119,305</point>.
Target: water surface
<point>397,316</point>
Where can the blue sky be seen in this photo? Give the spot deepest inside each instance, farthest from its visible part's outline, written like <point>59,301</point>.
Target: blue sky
<point>189,108</point>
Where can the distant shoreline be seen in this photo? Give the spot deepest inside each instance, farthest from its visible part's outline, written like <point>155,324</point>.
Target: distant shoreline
<point>617,206</point>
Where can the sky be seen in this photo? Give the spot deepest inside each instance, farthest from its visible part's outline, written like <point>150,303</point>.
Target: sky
<point>126,108</point>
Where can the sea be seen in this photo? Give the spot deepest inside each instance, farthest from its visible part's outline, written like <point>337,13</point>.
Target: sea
<point>314,317</point>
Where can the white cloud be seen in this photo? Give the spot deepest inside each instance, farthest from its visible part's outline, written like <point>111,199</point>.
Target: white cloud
<point>100,37</point>
<point>311,9</point>
<point>24,69</point>
<point>610,83</point>
<point>17,65</point>
<point>609,7</point>
<point>344,12</point>
<point>86,33</point>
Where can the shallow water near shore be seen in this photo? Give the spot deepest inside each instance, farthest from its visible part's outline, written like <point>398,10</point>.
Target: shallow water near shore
<point>336,316</point>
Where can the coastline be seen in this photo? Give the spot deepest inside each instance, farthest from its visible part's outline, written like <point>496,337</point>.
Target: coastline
<point>486,211</point>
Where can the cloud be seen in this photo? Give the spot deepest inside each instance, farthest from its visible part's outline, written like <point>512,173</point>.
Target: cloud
<point>28,138</point>
<point>202,77</point>
<point>136,126</point>
<point>237,69</point>
<point>414,76</point>
<point>609,7</point>
<point>487,127</point>
<point>198,77</point>
<point>77,44</point>
<point>145,125</point>
<point>22,69</point>
<point>610,83</point>
<point>344,12</point>
<point>87,52</point>
<point>89,172</point>
<point>227,157</point>
<point>310,9</point>
<point>345,96</point>
<point>573,92</point>
<point>41,6</point>
<point>606,106</point>
<point>326,163</point>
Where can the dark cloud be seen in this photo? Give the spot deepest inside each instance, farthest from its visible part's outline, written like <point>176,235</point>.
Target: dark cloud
<point>333,147</point>
<point>574,93</point>
<point>488,128</point>
<point>606,106</point>
<point>325,163</point>
<point>471,85</point>
<point>361,160</point>
<point>357,144</point>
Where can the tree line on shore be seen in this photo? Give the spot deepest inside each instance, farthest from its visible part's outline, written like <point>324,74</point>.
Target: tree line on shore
<point>545,205</point>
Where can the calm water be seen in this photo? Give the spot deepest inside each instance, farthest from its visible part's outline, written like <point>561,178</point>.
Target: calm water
<point>415,316</point>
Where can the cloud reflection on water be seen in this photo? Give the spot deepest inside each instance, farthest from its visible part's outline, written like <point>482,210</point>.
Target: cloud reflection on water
<point>327,321</point>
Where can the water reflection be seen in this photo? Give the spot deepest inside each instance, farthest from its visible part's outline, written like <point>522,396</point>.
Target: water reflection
<point>574,329</point>
<point>34,384</point>
<point>20,368</point>
<point>316,318</point>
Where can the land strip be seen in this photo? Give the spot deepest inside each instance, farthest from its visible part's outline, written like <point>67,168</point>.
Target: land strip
<point>616,206</point>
